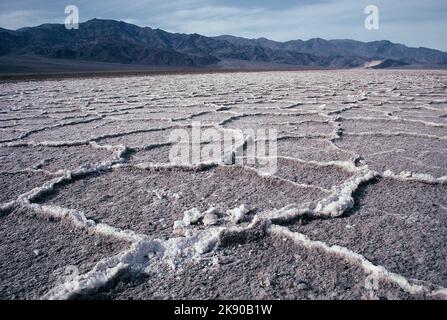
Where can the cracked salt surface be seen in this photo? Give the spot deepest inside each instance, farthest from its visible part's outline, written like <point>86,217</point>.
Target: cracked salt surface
<point>356,209</point>
<point>33,249</point>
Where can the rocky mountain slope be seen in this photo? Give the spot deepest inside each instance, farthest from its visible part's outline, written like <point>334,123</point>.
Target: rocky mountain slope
<point>120,42</point>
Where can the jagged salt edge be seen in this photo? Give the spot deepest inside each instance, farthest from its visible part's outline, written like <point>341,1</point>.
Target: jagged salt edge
<point>79,220</point>
<point>5,208</point>
<point>333,205</point>
<point>348,166</point>
<point>53,143</point>
<point>103,272</point>
<point>341,198</point>
<point>58,125</point>
<point>98,275</point>
<point>378,272</point>
<point>137,258</point>
<point>61,143</point>
<point>189,216</point>
<point>30,169</point>
<point>412,176</point>
<point>396,134</point>
<point>77,217</point>
<point>160,166</point>
<point>264,175</point>
<point>398,119</point>
<point>68,175</point>
<point>288,212</point>
<point>238,214</point>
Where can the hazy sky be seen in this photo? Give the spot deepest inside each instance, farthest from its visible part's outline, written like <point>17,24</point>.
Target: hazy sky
<point>412,22</point>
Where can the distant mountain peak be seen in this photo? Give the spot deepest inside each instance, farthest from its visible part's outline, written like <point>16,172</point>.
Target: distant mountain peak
<point>118,41</point>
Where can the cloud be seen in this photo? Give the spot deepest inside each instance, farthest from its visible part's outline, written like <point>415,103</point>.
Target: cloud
<point>21,18</point>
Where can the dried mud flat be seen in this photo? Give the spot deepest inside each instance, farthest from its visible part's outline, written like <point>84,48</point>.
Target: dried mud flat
<point>91,208</point>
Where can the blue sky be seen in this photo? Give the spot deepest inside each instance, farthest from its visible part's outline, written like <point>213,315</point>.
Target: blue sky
<point>411,22</point>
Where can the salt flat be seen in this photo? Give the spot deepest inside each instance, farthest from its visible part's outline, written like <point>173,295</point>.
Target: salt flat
<point>92,207</point>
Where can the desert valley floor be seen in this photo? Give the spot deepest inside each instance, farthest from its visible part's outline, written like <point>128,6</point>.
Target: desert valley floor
<point>92,208</point>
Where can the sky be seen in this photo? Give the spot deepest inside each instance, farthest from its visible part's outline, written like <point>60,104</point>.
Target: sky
<point>416,23</point>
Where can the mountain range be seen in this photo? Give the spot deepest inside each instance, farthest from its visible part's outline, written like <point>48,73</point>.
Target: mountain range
<point>110,41</point>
